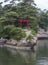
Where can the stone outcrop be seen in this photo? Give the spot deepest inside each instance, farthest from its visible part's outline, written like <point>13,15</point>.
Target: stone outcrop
<point>3,41</point>
<point>11,42</point>
<point>22,42</point>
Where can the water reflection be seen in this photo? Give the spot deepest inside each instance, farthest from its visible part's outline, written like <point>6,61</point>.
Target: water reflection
<point>42,61</point>
<point>21,57</point>
<point>37,58</point>
<point>29,57</point>
<point>42,53</point>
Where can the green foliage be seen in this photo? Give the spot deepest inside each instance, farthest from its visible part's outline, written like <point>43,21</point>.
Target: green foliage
<point>11,15</point>
<point>29,2</point>
<point>5,33</point>
<point>43,20</point>
<point>29,37</point>
<point>22,10</point>
<point>33,32</point>
<point>33,26</point>
<point>23,34</point>
<point>12,32</point>
<point>18,34</point>
<point>2,19</point>
<point>26,11</point>
<point>19,11</point>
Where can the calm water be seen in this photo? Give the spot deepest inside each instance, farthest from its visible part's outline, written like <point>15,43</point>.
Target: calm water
<point>26,57</point>
<point>42,53</point>
<point>40,57</point>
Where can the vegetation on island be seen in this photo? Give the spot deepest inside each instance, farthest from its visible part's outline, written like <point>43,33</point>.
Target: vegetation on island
<point>11,32</point>
<point>24,9</point>
<point>10,13</point>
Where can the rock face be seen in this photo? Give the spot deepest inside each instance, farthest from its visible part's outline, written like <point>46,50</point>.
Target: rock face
<point>2,41</point>
<point>34,40</point>
<point>22,42</point>
<point>11,42</point>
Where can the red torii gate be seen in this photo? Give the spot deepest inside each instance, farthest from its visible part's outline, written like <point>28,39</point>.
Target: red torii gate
<point>23,20</point>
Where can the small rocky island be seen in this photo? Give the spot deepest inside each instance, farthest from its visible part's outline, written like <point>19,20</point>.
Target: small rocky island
<point>28,42</point>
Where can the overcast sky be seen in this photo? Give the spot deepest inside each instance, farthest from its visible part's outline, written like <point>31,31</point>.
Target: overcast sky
<point>43,4</point>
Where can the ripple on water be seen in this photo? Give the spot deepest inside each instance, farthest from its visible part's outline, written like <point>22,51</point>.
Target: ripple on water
<point>42,61</point>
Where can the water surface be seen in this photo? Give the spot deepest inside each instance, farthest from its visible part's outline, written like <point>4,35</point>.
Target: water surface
<point>42,53</point>
<point>18,57</point>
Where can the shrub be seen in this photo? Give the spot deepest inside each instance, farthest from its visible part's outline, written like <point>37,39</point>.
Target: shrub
<point>12,32</point>
<point>29,37</point>
<point>33,32</point>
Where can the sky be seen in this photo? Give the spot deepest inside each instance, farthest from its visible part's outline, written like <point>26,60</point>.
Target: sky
<point>43,4</point>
